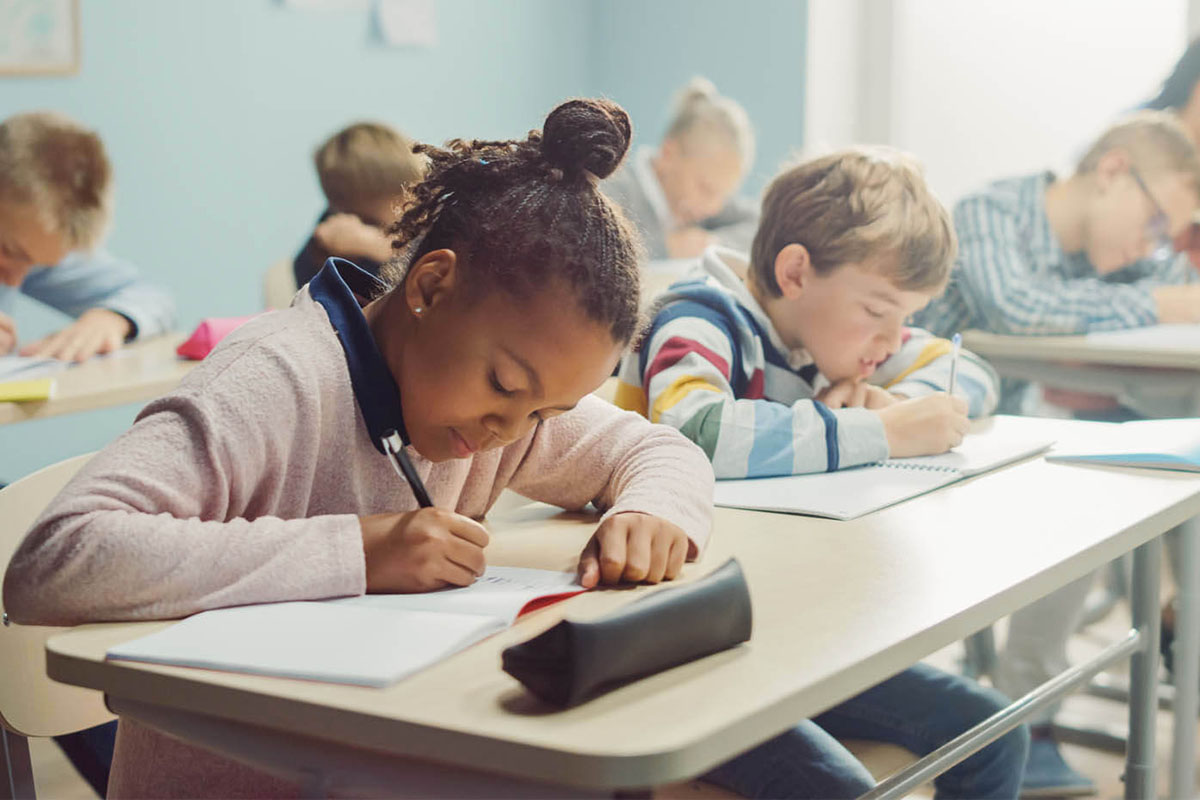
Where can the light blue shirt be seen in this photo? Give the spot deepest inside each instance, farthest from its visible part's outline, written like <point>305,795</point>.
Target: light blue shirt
<point>96,279</point>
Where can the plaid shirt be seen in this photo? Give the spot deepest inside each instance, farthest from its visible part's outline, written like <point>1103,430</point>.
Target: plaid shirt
<point>1013,277</point>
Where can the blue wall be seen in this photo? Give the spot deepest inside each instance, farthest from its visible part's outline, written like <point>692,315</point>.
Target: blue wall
<point>210,111</point>
<point>754,52</point>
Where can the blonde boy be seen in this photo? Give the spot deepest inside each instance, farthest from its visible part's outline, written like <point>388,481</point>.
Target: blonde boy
<point>55,206</point>
<point>1094,251</point>
<point>807,365</point>
<point>364,171</point>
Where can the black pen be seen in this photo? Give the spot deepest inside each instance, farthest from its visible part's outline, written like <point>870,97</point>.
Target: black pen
<point>393,445</point>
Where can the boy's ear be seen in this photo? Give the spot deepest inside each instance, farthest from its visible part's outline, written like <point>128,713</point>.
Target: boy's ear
<point>1111,166</point>
<point>793,270</point>
<point>430,280</point>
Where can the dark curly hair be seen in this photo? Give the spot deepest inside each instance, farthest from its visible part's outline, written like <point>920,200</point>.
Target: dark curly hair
<point>522,215</point>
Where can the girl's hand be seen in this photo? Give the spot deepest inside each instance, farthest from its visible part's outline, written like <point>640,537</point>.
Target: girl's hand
<point>8,333</point>
<point>633,548</point>
<point>97,330</point>
<point>423,550</point>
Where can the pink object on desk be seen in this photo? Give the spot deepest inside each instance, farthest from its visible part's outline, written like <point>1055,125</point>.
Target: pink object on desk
<point>207,334</point>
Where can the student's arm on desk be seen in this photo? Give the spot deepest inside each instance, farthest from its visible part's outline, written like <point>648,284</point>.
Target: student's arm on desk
<point>689,387</point>
<point>597,453</point>
<point>158,524</point>
<point>83,281</point>
<point>1001,289</point>
<point>922,366</point>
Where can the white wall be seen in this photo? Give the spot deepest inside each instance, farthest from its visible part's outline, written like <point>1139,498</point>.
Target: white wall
<point>989,88</point>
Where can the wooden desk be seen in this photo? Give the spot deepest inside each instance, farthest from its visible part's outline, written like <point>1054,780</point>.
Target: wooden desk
<point>137,373</point>
<point>1159,376</point>
<point>839,606</point>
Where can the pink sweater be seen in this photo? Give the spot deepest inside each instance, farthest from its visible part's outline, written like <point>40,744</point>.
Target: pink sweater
<point>245,484</point>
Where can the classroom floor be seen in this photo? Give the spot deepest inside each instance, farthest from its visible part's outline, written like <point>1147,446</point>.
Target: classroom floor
<point>56,780</point>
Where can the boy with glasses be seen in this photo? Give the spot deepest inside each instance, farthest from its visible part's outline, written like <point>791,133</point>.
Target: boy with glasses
<point>1094,251</point>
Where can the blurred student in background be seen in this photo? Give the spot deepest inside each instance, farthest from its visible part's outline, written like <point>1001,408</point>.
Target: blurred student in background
<point>364,170</point>
<point>682,195</point>
<point>1093,251</point>
<point>55,207</point>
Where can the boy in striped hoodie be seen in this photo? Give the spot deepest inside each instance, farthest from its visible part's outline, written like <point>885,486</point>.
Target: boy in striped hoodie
<point>805,364</point>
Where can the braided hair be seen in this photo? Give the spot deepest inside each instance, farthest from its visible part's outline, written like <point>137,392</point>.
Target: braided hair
<point>522,215</point>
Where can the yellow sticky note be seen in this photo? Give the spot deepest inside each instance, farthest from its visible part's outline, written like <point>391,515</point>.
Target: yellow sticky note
<point>26,391</point>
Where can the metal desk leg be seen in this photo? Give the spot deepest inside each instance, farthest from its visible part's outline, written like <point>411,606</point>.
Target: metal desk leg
<point>17,781</point>
<point>1143,690</point>
<point>1187,663</point>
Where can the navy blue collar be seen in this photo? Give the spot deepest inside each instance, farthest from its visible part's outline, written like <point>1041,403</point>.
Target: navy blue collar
<point>335,287</point>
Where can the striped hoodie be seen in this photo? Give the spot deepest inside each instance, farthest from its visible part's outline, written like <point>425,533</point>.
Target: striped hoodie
<point>713,366</point>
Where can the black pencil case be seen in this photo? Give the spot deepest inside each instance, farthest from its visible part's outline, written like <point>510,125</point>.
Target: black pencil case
<point>572,661</point>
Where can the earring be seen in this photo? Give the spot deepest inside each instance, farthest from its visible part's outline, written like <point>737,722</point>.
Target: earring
<point>419,310</point>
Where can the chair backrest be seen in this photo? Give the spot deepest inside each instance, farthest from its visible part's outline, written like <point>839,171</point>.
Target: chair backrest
<point>30,703</point>
<point>279,285</point>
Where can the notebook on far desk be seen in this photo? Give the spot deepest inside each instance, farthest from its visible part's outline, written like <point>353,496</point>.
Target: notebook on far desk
<point>851,493</point>
<point>1151,443</point>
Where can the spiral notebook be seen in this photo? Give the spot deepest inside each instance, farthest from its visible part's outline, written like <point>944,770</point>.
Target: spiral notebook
<point>851,493</point>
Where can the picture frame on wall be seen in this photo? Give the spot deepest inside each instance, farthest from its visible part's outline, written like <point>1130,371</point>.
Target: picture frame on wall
<point>39,37</point>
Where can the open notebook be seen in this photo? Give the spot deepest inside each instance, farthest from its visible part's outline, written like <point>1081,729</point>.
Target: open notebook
<point>371,640</point>
<point>850,493</point>
<point>1154,443</point>
<point>24,378</point>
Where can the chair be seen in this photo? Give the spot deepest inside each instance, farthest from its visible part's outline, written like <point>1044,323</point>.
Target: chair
<point>30,703</point>
<point>279,285</point>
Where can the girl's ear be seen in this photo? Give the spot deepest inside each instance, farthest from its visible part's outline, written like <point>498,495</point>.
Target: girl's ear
<point>430,281</point>
<point>794,270</point>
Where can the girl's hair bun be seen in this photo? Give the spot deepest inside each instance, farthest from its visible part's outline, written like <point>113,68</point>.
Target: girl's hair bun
<point>586,135</point>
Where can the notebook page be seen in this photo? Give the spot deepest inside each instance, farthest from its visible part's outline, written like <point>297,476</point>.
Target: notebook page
<point>845,494</point>
<point>501,592</point>
<point>1002,441</point>
<point>318,641</point>
<point>14,368</point>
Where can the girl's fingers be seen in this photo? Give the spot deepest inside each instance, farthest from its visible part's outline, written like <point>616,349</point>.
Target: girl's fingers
<point>660,554</point>
<point>467,555</point>
<point>612,545</point>
<point>456,574</point>
<point>676,557</point>
<point>639,536</point>
<point>589,564</point>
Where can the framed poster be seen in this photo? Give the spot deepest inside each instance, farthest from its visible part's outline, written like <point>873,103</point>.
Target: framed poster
<point>39,37</point>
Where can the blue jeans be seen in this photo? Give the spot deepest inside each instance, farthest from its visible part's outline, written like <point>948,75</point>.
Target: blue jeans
<point>920,709</point>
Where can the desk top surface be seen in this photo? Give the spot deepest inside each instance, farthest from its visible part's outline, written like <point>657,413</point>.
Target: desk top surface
<point>1159,346</point>
<point>137,373</point>
<point>838,607</point>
